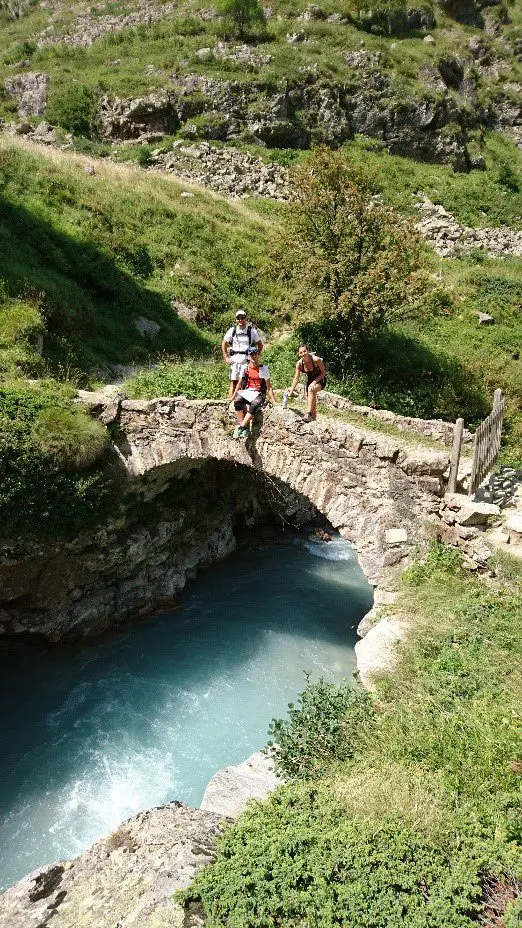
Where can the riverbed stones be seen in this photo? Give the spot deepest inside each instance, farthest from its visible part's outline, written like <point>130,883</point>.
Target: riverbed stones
<point>126,879</point>
<point>230,789</point>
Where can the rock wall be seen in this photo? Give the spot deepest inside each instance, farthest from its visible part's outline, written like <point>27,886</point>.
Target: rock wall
<point>138,563</point>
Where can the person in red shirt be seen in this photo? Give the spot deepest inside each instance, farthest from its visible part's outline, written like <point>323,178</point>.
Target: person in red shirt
<point>250,392</point>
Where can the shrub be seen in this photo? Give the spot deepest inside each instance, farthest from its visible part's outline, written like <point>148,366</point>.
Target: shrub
<point>241,15</point>
<point>70,438</point>
<point>323,728</point>
<point>193,379</point>
<point>73,107</point>
<point>38,498</point>
<point>350,262</point>
<point>300,859</point>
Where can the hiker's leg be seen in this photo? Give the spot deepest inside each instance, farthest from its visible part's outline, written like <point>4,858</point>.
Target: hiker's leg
<point>313,390</point>
<point>252,409</point>
<point>240,405</point>
<point>233,385</point>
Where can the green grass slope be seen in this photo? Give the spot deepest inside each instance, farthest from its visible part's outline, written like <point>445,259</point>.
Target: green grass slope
<point>84,256</point>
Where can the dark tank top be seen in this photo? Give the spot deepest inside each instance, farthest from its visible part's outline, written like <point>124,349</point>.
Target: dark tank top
<point>312,375</point>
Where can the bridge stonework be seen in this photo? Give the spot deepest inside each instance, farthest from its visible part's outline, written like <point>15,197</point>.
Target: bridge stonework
<point>378,491</point>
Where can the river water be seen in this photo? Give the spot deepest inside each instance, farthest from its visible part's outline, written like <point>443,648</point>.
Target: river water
<point>94,733</point>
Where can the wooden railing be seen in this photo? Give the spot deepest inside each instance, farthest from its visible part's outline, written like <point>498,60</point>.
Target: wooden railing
<point>486,445</point>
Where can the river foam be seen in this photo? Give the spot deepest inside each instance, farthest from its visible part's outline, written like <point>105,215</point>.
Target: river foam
<point>101,730</point>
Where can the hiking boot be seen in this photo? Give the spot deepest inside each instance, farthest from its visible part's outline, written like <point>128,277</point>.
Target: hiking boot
<point>308,418</point>
<point>237,431</point>
<point>244,432</point>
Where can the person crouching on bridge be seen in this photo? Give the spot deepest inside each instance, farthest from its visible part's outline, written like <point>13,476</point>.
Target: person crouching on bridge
<point>313,366</point>
<point>250,392</point>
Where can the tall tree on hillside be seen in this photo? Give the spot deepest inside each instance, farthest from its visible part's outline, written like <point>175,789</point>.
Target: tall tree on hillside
<point>348,259</point>
<point>241,15</point>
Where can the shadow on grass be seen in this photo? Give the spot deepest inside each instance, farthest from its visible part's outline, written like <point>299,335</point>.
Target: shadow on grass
<point>90,299</point>
<point>396,371</point>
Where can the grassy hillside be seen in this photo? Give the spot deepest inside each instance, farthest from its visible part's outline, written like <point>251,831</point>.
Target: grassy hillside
<point>404,809</point>
<point>147,56</point>
<point>83,257</point>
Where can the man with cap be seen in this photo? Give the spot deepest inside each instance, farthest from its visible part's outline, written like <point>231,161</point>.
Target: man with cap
<point>236,342</point>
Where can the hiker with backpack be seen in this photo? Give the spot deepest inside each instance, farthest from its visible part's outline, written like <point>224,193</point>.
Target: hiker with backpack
<point>250,392</point>
<point>236,342</point>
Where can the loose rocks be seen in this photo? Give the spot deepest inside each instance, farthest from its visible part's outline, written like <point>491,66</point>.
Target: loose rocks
<point>228,171</point>
<point>449,238</point>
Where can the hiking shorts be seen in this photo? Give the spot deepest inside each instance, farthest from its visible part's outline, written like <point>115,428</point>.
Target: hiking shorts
<point>242,404</point>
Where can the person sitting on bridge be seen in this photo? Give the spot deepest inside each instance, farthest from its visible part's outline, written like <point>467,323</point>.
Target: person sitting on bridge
<point>250,392</point>
<point>236,342</point>
<point>313,366</point>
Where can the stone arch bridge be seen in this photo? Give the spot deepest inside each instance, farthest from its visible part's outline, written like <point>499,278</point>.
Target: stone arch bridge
<point>379,490</point>
<point>190,484</point>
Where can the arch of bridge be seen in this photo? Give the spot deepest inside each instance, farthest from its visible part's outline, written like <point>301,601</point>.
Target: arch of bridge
<point>378,491</point>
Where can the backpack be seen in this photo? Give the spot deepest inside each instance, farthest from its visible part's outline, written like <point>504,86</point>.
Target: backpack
<point>248,332</point>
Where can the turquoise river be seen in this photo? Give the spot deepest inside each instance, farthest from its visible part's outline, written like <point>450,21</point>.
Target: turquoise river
<point>96,732</point>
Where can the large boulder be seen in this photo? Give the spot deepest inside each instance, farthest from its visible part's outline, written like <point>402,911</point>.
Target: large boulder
<point>230,789</point>
<point>127,878</point>
<point>31,92</point>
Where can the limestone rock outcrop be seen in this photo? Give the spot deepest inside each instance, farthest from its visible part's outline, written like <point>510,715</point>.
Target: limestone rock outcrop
<point>126,879</point>
<point>30,90</point>
<point>230,789</point>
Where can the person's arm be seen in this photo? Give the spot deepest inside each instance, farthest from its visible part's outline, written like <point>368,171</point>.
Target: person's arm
<point>296,378</point>
<point>224,351</point>
<point>322,370</point>
<point>270,391</point>
<point>259,346</point>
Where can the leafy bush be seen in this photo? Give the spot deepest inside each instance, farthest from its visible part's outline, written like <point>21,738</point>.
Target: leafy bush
<point>299,859</point>
<point>73,107</point>
<point>38,499</point>
<point>241,15</point>
<point>193,379</point>
<point>351,263</point>
<point>325,726</point>
<point>72,439</point>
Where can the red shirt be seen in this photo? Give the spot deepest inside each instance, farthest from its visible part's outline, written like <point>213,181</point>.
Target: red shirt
<point>254,379</point>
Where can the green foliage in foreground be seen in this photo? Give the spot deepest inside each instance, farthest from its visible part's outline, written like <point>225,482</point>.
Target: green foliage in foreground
<point>425,815</point>
<point>326,725</point>
<point>193,379</point>
<point>53,483</point>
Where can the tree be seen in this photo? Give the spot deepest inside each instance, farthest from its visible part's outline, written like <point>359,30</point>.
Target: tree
<point>349,260</point>
<point>241,14</point>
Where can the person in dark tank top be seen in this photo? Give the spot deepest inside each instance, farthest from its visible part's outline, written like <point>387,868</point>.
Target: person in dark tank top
<point>313,367</point>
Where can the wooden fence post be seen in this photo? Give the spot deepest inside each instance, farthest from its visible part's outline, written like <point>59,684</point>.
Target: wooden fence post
<point>497,398</point>
<point>455,455</point>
